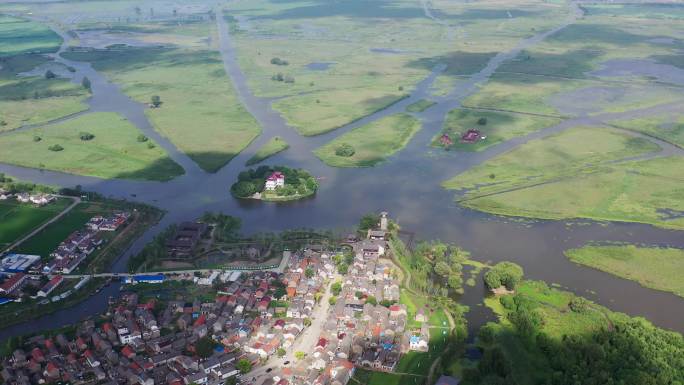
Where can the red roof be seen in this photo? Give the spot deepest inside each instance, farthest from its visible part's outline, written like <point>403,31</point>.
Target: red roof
<point>200,320</point>
<point>9,283</point>
<point>276,175</point>
<point>394,308</point>
<point>322,342</point>
<point>127,351</point>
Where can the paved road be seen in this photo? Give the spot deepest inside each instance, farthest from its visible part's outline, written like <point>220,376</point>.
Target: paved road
<point>76,201</point>
<point>279,269</point>
<point>305,342</point>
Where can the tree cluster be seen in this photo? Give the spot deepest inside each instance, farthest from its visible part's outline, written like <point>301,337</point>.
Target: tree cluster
<point>506,274</point>
<point>345,150</point>
<point>279,62</point>
<point>226,227</point>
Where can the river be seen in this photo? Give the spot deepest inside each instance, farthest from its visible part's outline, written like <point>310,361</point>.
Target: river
<point>407,186</point>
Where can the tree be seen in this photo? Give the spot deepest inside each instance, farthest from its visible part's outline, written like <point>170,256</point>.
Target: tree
<point>231,381</point>
<point>342,268</point>
<point>155,101</point>
<point>86,83</point>
<point>332,300</point>
<point>369,221</point>
<point>243,189</point>
<point>506,274</point>
<point>336,288</point>
<point>142,138</point>
<point>300,355</point>
<point>244,366</point>
<point>442,269</point>
<point>309,272</point>
<point>281,352</point>
<point>371,300</point>
<point>50,75</point>
<point>56,148</point>
<point>307,322</point>
<point>204,347</point>
<point>345,150</point>
<point>482,121</point>
<point>85,136</point>
<point>37,138</point>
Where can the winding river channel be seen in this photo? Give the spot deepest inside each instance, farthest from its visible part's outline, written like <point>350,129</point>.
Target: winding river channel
<point>407,186</point>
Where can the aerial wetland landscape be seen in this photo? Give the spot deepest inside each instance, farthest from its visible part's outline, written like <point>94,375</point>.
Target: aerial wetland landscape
<point>332,192</point>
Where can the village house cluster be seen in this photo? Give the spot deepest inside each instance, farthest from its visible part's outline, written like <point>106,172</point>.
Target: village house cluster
<point>253,318</point>
<point>23,270</point>
<point>80,244</point>
<point>39,199</point>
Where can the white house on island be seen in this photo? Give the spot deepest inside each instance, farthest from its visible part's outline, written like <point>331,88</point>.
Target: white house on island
<point>275,180</point>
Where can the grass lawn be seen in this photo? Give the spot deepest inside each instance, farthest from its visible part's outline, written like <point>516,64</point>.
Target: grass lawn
<point>18,219</point>
<point>653,267</point>
<point>498,127</point>
<point>368,377</point>
<point>574,174</point>
<point>419,106</point>
<point>270,148</point>
<point>200,111</point>
<point>372,143</point>
<point>20,36</point>
<point>114,152</point>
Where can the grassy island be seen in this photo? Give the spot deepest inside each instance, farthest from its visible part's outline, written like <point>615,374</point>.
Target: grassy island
<point>370,144</point>
<point>652,267</point>
<point>274,183</point>
<point>270,148</point>
<point>100,144</point>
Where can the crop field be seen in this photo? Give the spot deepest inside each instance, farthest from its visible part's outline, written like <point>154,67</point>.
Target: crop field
<point>496,126</point>
<point>200,112</point>
<point>653,267</point>
<point>115,151</point>
<point>18,219</point>
<point>371,143</point>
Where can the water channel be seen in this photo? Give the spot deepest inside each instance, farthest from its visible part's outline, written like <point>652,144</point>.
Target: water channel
<point>407,186</point>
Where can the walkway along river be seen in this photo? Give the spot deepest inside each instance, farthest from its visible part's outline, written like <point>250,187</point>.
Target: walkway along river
<point>407,186</point>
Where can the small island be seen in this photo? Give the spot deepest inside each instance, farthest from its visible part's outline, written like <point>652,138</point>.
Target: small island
<point>274,183</point>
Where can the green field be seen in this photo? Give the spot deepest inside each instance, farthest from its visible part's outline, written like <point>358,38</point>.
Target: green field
<point>270,148</point>
<point>114,152</point>
<point>653,267</point>
<point>49,238</point>
<point>34,100</point>
<point>498,127</point>
<point>420,106</point>
<point>377,52</point>
<point>574,174</point>
<point>200,111</point>
<point>19,36</point>
<point>18,219</point>
<point>668,127</point>
<point>372,143</point>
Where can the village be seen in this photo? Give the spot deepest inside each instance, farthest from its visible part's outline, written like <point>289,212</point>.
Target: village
<point>315,323</point>
<point>35,276</point>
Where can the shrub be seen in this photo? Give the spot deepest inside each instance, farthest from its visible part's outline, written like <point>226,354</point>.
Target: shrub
<point>482,121</point>
<point>142,138</point>
<point>150,145</point>
<point>55,147</point>
<point>86,136</point>
<point>279,62</point>
<point>86,83</point>
<point>50,75</point>
<point>156,101</point>
<point>346,150</point>
<point>37,138</point>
